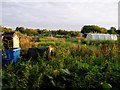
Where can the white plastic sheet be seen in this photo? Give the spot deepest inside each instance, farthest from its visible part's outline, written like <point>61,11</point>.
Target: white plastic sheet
<point>101,37</point>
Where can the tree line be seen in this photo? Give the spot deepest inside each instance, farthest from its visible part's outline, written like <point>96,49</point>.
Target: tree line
<point>34,32</point>
<point>97,29</point>
<point>85,29</point>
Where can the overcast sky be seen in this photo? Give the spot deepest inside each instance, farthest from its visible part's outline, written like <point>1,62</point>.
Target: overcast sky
<point>59,14</point>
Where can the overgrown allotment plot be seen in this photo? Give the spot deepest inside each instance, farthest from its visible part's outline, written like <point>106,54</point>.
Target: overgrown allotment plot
<point>76,64</point>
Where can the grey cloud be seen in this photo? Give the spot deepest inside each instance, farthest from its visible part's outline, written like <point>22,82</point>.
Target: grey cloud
<point>64,15</point>
<point>60,1</point>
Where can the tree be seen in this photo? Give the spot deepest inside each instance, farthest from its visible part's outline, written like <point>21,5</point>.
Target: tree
<point>4,29</point>
<point>118,32</point>
<point>103,30</point>
<point>20,29</point>
<point>44,31</point>
<point>93,29</point>
<point>30,31</point>
<point>112,30</point>
<point>74,33</point>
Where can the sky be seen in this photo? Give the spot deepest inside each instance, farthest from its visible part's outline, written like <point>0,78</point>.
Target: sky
<point>59,14</point>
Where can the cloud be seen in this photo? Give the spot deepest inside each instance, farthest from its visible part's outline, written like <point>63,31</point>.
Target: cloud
<point>0,12</point>
<point>55,15</point>
<point>61,1</point>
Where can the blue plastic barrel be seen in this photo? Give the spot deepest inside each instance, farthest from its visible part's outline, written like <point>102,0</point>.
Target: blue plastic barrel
<point>0,59</point>
<point>11,55</point>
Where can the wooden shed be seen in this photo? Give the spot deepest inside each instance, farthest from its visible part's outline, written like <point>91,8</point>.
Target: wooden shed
<point>10,40</point>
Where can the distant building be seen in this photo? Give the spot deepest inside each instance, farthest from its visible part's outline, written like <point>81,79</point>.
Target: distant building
<point>51,34</point>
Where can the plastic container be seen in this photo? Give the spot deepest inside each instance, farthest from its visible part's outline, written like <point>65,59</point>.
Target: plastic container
<point>10,55</point>
<point>0,59</point>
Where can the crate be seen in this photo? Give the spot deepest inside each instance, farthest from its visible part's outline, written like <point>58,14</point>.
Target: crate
<point>11,55</point>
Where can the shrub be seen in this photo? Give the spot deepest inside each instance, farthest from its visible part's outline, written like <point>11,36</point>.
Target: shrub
<point>72,67</point>
<point>84,41</point>
<point>99,42</point>
<point>82,52</point>
<point>47,43</point>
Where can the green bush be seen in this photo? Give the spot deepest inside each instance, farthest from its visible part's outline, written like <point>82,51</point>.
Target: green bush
<point>47,43</point>
<point>84,41</point>
<point>72,67</point>
<point>119,39</point>
<point>99,42</point>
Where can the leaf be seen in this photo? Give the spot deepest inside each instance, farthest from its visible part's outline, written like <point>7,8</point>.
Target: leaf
<point>53,83</point>
<point>66,71</point>
<point>106,86</point>
<point>50,77</point>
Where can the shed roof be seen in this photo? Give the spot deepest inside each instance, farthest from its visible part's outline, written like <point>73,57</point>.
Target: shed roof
<point>9,34</point>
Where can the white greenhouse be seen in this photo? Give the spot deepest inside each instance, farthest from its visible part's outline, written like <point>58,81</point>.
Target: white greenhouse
<point>101,37</point>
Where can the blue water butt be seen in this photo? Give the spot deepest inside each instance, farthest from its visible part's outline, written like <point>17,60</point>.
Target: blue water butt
<point>11,55</point>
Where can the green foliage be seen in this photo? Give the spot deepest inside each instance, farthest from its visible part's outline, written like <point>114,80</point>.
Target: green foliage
<point>47,44</point>
<point>112,30</point>
<point>69,33</point>
<point>85,41</point>
<point>118,39</point>
<point>98,42</point>
<point>73,67</point>
<point>45,32</point>
<point>0,43</point>
<point>118,32</point>
<point>20,29</point>
<point>93,29</point>
<point>28,31</point>
<point>4,29</point>
<point>106,86</point>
